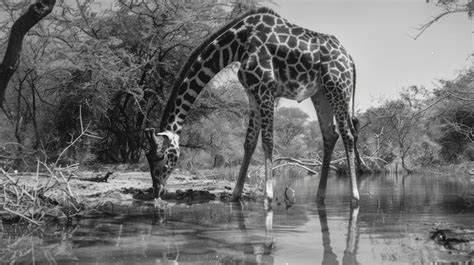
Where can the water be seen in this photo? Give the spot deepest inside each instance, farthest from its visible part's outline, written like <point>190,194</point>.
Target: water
<point>391,226</point>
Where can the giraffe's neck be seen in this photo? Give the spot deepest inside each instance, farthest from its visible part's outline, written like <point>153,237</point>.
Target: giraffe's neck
<point>221,49</point>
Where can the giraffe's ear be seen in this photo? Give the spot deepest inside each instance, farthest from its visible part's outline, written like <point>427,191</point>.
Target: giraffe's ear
<point>152,139</point>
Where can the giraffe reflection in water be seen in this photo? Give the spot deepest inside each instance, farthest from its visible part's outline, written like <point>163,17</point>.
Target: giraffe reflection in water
<point>226,233</point>
<point>261,250</point>
<point>352,237</point>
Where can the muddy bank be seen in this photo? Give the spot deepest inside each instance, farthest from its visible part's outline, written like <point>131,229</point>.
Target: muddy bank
<point>124,187</point>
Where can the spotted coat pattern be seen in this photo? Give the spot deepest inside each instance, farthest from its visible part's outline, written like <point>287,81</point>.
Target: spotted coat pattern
<point>277,59</point>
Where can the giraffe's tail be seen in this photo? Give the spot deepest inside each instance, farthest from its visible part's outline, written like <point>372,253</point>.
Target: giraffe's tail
<point>354,120</point>
<point>353,86</point>
<point>360,164</point>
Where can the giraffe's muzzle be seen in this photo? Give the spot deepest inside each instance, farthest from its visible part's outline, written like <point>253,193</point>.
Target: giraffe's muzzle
<point>158,170</point>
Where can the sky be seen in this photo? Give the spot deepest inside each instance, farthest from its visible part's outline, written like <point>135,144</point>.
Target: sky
<point>377,35</point>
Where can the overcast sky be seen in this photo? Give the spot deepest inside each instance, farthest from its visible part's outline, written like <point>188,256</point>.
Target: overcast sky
<point>376,34</point>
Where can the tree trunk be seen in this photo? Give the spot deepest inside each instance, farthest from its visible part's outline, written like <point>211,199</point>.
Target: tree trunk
<point>403,156</point>
<point>22,25</point>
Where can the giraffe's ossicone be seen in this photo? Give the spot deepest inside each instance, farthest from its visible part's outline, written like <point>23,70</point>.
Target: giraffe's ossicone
<point>277,59</point>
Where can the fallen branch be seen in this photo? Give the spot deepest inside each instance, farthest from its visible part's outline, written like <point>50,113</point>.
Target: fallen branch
<point>16,184</point>
<point>21,215</point>
<point>306,163</point>
<point>297,165</point>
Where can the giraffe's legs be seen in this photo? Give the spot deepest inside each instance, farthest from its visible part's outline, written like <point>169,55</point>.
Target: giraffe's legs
<point>345,126</point>
<point>328,130</point>
<point>360,165</point>
<point>266,112</point>
<point>250,143</point>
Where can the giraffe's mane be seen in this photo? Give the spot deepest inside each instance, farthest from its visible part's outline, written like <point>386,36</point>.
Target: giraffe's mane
<point>194,55</point>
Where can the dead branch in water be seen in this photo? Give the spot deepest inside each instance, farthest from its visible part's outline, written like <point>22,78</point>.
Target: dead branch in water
<point>297,165</point>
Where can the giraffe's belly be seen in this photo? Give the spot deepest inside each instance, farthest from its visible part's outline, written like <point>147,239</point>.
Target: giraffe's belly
<point>298,91</point>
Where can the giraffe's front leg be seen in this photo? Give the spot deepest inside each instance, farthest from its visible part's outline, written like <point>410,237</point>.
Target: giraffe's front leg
<point>268,191</point>
<point>250,143</point>
<point>329,141</point>
<point>266,113</point>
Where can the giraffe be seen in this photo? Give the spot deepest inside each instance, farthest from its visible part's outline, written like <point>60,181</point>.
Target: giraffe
<point>277,59</point>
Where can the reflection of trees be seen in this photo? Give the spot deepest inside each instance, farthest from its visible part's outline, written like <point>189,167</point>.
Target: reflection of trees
<point>424,193</point>
<point>352,238</point>
<point>19,244</point>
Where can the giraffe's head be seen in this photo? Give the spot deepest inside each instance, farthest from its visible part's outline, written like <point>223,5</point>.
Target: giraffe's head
<point>162,158</point>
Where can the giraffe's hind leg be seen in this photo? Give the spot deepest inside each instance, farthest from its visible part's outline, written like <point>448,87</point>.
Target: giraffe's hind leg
<point>330,136</point>
<point>346,129</point>
<point>360,165</point>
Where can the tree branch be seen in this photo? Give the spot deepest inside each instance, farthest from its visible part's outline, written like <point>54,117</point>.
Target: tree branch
<point>424,27</point>
<point>22,25</point>
<point>293,161</point>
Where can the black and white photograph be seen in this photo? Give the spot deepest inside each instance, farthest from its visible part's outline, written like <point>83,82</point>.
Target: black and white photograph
<point>284,132</point>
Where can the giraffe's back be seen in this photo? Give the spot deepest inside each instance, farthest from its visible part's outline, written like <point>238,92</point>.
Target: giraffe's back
<point>291,55</point>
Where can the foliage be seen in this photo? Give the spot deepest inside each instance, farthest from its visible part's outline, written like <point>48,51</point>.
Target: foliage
<point>396,125</point>
<point>289,126</point>
<point>422,127</point>
<point>116,65</point>
<point>455,114</point>
<point>216,127</point>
